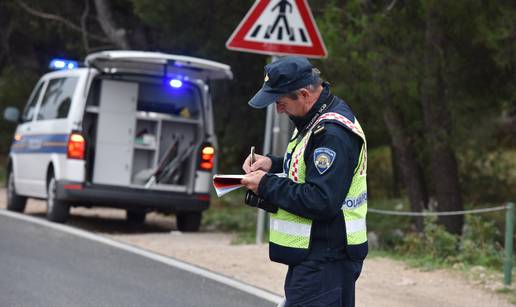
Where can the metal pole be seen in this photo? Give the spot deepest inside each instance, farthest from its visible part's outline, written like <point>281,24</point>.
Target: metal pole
<point>509,231</point>
<point>260,219</point>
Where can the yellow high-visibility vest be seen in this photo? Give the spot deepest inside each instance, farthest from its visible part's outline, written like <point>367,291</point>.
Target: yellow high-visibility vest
<point>290,230</point>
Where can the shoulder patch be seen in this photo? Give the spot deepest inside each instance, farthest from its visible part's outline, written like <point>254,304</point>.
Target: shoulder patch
<point>323,159</point>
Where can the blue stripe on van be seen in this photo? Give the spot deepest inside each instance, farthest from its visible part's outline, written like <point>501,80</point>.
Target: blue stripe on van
<point>41,143</point>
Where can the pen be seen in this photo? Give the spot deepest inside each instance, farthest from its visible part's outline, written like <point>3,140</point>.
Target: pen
<point>252,156</point>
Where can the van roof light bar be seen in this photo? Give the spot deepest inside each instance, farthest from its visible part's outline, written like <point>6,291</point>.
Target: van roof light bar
<point>60,64</point>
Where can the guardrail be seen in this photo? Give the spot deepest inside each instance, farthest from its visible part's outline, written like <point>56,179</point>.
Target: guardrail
<point>509,228</point>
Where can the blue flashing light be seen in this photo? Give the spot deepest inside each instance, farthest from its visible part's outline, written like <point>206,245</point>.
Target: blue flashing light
<point>57,64</point>
<point>175,83</point>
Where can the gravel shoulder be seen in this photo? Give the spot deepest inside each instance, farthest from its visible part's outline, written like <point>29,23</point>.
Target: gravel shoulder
<point>384,282</point>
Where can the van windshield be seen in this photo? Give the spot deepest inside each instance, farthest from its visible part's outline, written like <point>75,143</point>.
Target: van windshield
<point>161,98</point>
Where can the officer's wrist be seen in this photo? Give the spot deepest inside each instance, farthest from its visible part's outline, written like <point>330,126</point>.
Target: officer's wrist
<point>276,163</point>
<point>262,186</point>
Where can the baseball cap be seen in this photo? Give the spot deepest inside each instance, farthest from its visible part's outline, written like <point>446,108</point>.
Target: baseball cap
<point>282,77</point>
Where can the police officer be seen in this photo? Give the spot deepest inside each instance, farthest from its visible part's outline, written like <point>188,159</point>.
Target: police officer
<point>319,202</point>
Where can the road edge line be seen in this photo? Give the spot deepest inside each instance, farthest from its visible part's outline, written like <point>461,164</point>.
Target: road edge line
<point>150,255</point>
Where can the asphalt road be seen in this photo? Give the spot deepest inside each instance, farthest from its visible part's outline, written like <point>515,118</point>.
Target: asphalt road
<point>40,266</point>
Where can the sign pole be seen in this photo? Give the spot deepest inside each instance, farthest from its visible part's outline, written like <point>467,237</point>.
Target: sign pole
<point>260,219</point>
<point>268,140</point>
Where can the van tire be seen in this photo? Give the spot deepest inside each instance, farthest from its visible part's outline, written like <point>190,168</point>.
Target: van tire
<point>15,202</point>
<point>189,222</point>
<point>57,210</point>
<point>135,217</point>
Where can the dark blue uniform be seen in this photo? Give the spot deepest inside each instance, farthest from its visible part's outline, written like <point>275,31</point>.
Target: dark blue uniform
<point>327,275</point>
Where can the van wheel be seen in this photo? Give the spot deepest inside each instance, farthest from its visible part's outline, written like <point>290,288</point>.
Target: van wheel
<point>189,222</point>
<point>135,217</point>
<point>15,202</point>
<point>57,210</point>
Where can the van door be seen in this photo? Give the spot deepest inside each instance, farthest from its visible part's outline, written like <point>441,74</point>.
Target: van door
<point>115,133</point>
<point>20,150</point>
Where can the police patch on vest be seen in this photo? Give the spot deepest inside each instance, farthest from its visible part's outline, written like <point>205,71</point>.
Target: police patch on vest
<point>323,159</point>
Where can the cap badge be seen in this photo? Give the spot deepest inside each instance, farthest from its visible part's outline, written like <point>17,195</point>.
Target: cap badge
<point>266,78</point>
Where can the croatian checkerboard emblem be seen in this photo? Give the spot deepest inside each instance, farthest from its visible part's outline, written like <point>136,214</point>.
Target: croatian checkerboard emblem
<point>323,159</point>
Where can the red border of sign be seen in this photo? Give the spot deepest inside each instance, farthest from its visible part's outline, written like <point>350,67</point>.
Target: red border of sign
<point>237,40</point>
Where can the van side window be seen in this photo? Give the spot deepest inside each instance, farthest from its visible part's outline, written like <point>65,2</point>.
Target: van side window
<point>58,98</point>
<point>30,109</point>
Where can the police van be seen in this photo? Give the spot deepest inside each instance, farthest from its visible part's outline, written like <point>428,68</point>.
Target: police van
<point>131,130</point>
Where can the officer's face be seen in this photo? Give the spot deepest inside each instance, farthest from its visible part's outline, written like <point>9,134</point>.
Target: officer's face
<point>288,106</point>
<point>293,107</point>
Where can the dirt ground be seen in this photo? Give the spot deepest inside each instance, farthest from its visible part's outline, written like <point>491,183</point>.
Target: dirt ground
<point>383,283</point>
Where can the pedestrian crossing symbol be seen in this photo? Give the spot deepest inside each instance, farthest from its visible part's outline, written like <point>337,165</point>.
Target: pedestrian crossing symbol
<point>278,27</point>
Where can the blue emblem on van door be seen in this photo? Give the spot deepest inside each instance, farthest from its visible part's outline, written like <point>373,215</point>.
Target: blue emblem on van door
<point>323,159</point>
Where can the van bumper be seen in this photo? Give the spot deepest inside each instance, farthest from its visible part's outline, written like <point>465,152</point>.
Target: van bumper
<point>79,194</point>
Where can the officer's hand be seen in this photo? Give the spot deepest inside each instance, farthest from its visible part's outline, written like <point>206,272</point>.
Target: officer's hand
<point>262,163</point>
<point>252,180</point>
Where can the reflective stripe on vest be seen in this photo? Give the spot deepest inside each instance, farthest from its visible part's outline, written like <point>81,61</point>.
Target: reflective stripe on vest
<point>356,225</point>
<point>290,230</point>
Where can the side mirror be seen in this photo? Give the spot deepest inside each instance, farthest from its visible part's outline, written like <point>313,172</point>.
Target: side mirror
<point>12,114</point>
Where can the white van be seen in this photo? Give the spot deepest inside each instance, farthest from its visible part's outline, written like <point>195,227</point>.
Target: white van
<point>131,130</point>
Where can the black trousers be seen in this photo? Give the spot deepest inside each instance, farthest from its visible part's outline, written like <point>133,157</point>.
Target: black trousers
<point>322,283</point>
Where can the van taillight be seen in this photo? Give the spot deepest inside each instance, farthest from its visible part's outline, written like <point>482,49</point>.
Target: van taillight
<point>207,155</point>
<point>76,146</point>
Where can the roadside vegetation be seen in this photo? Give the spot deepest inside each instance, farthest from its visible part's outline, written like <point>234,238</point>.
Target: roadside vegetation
<point>481,243</point>
<point>478,253</point>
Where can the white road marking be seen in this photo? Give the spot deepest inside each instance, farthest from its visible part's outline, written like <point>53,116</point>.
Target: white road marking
<point>150,255</point>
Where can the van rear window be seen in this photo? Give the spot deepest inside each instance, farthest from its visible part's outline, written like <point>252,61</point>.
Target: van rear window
<point>165,99</point>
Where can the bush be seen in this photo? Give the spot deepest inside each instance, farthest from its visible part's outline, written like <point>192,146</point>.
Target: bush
<point>434,244</point>
<point>479,244</point>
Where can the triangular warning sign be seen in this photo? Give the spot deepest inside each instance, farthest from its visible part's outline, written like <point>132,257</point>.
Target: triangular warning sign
<point>278,27</point>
